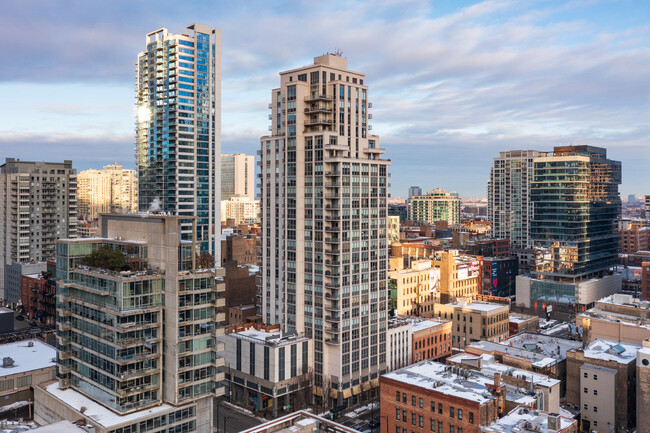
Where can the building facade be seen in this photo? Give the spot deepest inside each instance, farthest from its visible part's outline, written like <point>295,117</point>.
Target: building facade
<point>510,209</point>
<point>123,344</point>
<point>38,205</point>
<point>474,321</point>
<point>460,275</point>
<point>415,289</point>
<point>323,255</point>
<point>178,133</point>
<point>237,176</point>
<point>112,189</point>
<point>13,274</point>
<point>437,205</point>
<point>239,210</point>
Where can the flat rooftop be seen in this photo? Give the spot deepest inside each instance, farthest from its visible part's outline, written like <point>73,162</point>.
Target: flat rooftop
<point>545,344</point>
<point>477,305</point>
<point>436,376</point>
<point>426,324</point>
<point>611,350</point>
<point>27,358</point>
<point>536,358</point>
<point>97,412</point>
<point>518,418</point>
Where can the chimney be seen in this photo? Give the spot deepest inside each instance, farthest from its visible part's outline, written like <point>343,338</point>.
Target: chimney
<point>497,380</point>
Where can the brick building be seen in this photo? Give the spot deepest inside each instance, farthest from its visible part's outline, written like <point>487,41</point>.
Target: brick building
<point>474,321</point>
<point>634,236</point>
<point>38,295</point>
<point>601,381</point>
<point>427,396</point>
<point>522,323</point>
<point>431,340</point>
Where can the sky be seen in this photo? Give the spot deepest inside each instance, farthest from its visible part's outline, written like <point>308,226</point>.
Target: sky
<point>452,82</point>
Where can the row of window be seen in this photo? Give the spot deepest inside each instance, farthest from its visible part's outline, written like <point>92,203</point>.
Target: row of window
<point>418,420</point>
<point>419,402</point>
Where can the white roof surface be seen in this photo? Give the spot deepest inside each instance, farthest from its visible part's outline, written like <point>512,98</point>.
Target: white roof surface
<point>521,319</point>
<point>519,417</point>
<point>27,358</point>
<point>97,412</point>
<point>478,306</point>
<point>434,376</point>
<point>59,427</point>
<point>611,350</point>
<point>547,345</point>
<point>537,358</point>
<point>426,324</point>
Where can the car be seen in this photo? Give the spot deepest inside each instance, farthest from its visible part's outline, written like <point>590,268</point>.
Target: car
<point>358,427</point>
<point>33,323</point>
<point>374,422</point>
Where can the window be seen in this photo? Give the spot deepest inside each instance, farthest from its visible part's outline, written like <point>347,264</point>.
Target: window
<point>595,423</point>
<point>440,428</point>
<point>421,403</point>
<point>459,430</point>
<point>440,408</point>
<point>397,414</point>
<point>584,375</point>
<point>404,415</point>
<point>595,377</point>
<point>585,390</point>
<point>24,381</point>
<point>595,408</point>
<point>413,400</point>
<point>6,384</point>
<point>398,430</point>
<point>404,398</point>
<point>451,429</point>
<point>585,407</point>
<point>460,414</point>
<point>398,396</point>
<point>433,425</point>
<point>451,412</point>
<point>421,421</point>
<point>413,418</point>
<point>471,417</point>
<point>595,392</point>
<point>433,406</point>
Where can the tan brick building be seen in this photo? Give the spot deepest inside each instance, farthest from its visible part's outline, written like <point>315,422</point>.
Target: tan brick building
<point>431,340</point>
<point>460,276</point>
<point>415,289</point>
<point>474,321</point>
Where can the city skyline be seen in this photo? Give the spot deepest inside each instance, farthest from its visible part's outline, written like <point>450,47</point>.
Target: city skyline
<point>455,82</point>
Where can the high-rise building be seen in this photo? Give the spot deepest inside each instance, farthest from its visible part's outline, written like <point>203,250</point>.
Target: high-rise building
<point>576,203</point>
<point>137,321</point>
<point>237,176</point>
<point>112,189</point>
<point>415,190</point>
<point>509,207</point>
<point>178,92</point>
<point>437,205</point>
<point>38,205</point>
<point>240,210</point>
<point>323,253</point>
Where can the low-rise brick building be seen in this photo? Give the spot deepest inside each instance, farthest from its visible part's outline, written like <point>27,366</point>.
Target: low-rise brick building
<point>474,321</point>
<point>431,339</point>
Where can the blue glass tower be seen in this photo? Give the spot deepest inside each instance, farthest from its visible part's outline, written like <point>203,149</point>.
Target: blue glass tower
<point>178,132</point>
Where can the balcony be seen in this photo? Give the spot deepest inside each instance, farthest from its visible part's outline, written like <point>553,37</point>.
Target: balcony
<point>333,318</point>
<point>318,121</point>
<point>318,109</point>
<point>135,373</point>
<point>318,98</point>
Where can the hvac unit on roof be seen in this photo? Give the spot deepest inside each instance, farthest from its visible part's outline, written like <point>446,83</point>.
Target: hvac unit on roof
<point>7,361</point>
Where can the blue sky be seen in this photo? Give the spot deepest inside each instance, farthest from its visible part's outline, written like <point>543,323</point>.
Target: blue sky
<point>452,82</point>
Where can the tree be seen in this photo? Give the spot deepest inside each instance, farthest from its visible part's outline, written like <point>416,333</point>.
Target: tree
<point>204,260</point>
<point>106,258</point>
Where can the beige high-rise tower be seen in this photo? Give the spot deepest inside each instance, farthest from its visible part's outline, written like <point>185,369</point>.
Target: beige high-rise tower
<point>324,236</point>
<point>112,189</point>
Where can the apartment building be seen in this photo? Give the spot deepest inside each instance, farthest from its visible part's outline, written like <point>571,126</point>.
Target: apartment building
<point>113,189</point>
<point>38,205</point>
<point>178,130</point>
<point>240,210</point>
<point>436,205</point>
<point>323,255</point>
<point>237,176</point>
<point>415,289</point>
<point>137,323</point>
<point>474,321</point>
<point>460,275</point>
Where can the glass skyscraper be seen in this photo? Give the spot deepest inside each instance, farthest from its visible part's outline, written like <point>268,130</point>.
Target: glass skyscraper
<point>576,202</point>
<point>178,93</point>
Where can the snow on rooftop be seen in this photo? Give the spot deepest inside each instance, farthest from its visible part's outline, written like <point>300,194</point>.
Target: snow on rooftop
<point>478,306</point>
<point>26,358</point>
<point>519,417</point>
<point>536,358</point>
<point>520,319</point>
<point>544,344</point>
<point>97,412</point>
<point>611,350</point>
<point>436,376</point>
<point>426,324</point>
<point>490,366</point>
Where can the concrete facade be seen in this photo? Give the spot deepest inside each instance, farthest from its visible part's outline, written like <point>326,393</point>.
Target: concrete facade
<point>112,189</point>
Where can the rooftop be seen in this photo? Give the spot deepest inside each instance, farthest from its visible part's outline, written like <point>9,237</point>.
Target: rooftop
<point>537,358</point>
<point>261,336</point>
<point>516,318</point>
<point>26,357</point>
<point>426,324</point>
<point>522,419</point>
<point>477,305</point>
<point>611,350</point>
<point>436,376</point>
<point>97,412</point>
<point>544,344</point>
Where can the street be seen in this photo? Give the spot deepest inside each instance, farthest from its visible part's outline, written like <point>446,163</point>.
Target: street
<point>360,417</point>
<point>236,420</point>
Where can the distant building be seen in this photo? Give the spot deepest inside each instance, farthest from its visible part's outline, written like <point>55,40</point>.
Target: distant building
<point>617,317</point>
<point>112,189</point>
<point>13,278</point>
<point>87,229</point>
<point>634,236</point>
<point>269,370</point>
<point>415,290</point>
<point>400,210</point>
<point>239,314</point>
<point>643,388</point>
<point>38,295</point>
<point>237,176</point>
<point>531,420</point>
<point>393,229</point>
<point>437,205</point>
<point>38,205</point>
<point>431,339</point>
<point>522,323</point>
<point>24,365</point>
<point>500,276</point>
<point>415,190</point>
<point>498,248</point>
<point>240,210</point>
<point>474,321</point>
<point>601,381</point>
<point>460,275</point>
<point>399,339</point>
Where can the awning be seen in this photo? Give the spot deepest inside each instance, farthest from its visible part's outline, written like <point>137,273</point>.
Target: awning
<point>347,393</point>
<point>317,390</point>
<point>374,383</point>
<point>365,386</point>
<point>356,390</point>
<point>334,393</point>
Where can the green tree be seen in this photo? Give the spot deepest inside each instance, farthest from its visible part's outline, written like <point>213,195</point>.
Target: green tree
<point>106,258</point>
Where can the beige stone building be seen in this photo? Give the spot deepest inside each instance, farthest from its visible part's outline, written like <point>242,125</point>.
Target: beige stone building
<point>112,189</point>
<point>474,321</point>
<point>237,176</point>
<point>437,205</point>
<point>415,290</point>
<point>601,382</point>
<point>324,259</point>
<point>618,317</point>
<point>460,275</point>
<point>240,210</point>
